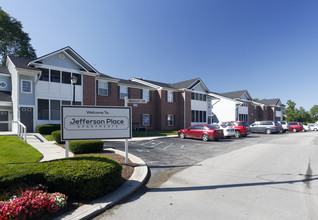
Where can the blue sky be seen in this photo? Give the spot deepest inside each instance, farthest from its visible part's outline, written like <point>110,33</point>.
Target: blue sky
<point>269,47</point>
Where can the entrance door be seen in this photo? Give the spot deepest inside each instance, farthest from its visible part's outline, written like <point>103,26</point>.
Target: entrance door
<point>4,116</point>
<point>26,117</point>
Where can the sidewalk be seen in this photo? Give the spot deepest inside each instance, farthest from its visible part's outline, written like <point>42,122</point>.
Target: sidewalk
<point>52,151</point>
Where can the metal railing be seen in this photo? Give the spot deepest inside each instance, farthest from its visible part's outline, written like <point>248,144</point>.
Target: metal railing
<point>21,129</point>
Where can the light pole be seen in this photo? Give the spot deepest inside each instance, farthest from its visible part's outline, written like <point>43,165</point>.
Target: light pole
<point>73,81</point>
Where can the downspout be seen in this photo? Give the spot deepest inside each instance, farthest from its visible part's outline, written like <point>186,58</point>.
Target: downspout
<point>184,109</point>
<point>218,99</point>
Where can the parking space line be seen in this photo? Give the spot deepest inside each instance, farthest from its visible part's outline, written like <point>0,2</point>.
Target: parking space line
<point>167,146</point>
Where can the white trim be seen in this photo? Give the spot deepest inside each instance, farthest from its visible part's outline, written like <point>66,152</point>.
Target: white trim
<point>22,86</point>
<point>57,68</point>
<point>223,97</point>
<point>3,74</point>
<point>146,83</point>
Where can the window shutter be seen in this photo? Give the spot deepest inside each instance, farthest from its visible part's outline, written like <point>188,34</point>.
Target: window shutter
<point>141,94</point>
<point>150,93</point>
<point>166,96</point>
<point>118,91</point>
<point>109,88</point>
<point>128,92</point>
<point>174,97</point>
<point>97,87</point>
<point>150,119</point>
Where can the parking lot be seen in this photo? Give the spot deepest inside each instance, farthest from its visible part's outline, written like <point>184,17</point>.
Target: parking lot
<point>165,156</point>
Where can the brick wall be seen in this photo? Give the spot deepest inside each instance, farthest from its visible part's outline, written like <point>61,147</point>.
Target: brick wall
<point>88,90</point>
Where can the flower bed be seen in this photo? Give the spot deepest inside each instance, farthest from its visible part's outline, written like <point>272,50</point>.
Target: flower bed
<point>32,204</point>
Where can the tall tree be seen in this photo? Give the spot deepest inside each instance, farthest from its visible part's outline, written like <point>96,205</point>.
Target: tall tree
<point>291,111</point>
<point>13,40</point>
<point>314,112</point>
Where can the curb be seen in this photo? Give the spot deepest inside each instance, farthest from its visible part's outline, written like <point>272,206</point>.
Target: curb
<point>137,179</point>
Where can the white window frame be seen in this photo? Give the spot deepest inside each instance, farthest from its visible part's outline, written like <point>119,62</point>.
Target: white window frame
<point>144,123</point>
<point>123,92</point>
<point>170,96</point>
<point>146,95</point>
<point>103,88</point>
<point>170,120</point>
<point>22,90</point>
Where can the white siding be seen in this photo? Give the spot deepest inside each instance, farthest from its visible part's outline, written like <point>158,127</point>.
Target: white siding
<point>58,91</point>
<point>243,110</point>
<point>224,110</point>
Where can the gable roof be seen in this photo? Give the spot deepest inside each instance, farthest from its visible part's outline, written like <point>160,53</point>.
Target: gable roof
<point>4,70</point>
<point>236,94</point>
<point>186,84</point>
<point>21,62</point>
<point>72,55</point>
<point>132,83</point>
<point>153,84</point>
<point>270,102</point>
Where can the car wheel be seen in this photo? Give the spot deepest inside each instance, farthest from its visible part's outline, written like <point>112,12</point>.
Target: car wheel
<point>315,129</point>
<point>294,130</point>
<point>237,134</point>
<point>205,137</point>
<point>268,131</point>
<point>181,135</point>
<point>228,137</point>
<point>284,131</point>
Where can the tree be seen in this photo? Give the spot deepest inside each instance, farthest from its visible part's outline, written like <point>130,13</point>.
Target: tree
<point>291,111</point>
<point>314,112</point>
<point>13,40</point>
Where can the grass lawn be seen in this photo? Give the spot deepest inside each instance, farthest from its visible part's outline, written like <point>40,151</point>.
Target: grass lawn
<point>153,133</point>
<point>15,150</point>
<point>49,137</point>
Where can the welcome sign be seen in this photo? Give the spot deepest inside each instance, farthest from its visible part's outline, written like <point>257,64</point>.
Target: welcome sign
<point>84,123</point>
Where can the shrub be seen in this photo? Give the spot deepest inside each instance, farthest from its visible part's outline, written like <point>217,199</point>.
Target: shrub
<point>57,136</point>
<point>78,177</point>
<point>82,147</point>
<point>47,129</point>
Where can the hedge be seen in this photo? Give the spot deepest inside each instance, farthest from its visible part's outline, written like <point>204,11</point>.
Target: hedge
<point>78,177</point>
<point>48,128</point>
<point>82,147</point>
<point>57,136</point>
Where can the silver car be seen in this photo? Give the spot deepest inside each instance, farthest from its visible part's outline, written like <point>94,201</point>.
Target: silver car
<point>285,126</point>
<point>267,127</point>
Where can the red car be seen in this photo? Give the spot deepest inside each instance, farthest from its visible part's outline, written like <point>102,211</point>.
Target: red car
<point>296,126</point>
<point>242,128</point>
<point>201,131</point>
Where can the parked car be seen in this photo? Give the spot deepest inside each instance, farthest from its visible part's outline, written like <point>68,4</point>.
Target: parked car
<point>296,126</point>
<point>267,127</point>
<point>228,131</point>
<point>313,127</point>
<point>241,128</point>
<point>285,126</point>
<point>201,131</point>
<point>305,128</point>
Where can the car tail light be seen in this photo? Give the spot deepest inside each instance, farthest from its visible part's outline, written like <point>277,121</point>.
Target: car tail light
<point>275,127</point>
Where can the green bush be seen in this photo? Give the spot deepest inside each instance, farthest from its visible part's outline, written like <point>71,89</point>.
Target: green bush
<point>77,177</point>
<point>82,147</point>
<point>57,136</point>
<point>47,129</point>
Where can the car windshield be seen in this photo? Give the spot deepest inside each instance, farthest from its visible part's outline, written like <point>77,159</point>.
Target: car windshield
<point>212,127</point>
<point>223,125</point>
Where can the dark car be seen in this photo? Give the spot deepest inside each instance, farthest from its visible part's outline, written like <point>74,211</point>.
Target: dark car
<point>201,131</point>
<point>267,127</point>
<point>296,126</point>
<point>242,128</point>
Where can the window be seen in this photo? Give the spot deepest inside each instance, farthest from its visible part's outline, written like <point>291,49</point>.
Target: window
<point>45,75</point>
<point>198,96</point>
<point>55,76</point>
<point>145,121</point>
<point>55,109</point>
<point>43,109</point>
<point>66,102</point>
<point>278,108</point>
<point>66,77</point>
<point>243,117</point>
<point>79,78</point>
<point>169,96</point>
<point>123,92</point>
<point>26,86</point>
<point>102,88</point>
<point>170,120</point>
<point>198,116</point>
<point>265,108</point>
<point>145,95</point>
